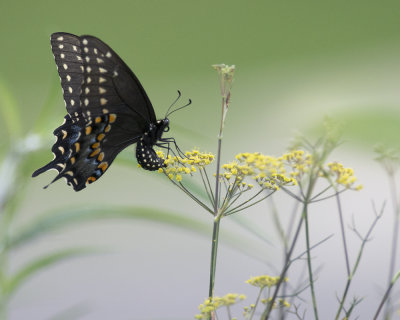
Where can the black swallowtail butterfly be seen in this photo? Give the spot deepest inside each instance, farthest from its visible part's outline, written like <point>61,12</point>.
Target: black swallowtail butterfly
<point>108,110</point>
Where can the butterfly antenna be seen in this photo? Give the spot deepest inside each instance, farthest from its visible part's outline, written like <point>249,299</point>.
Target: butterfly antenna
<point>179,95</point>
<point>186,105</point>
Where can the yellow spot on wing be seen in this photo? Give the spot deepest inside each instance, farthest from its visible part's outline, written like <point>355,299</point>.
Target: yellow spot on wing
<point>72,160</point>
<point>100,136</point>
<point>77,146</point>
<point>108,128</point>
<point>97,120</point>
<point>88,130</point>
<point>95,145</point>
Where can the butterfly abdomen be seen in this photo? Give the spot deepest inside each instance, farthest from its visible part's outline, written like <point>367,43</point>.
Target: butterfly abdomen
<point>147,157</point>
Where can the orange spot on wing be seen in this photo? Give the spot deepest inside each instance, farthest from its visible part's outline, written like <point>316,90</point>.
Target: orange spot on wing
<point>95,152</point>
<point>88,130</point>
<point>100,157</point>
<point>100,136</point>
<point>112,118</point>
<point>103,166</point>
<point>91,179</point>
<point>95,145</point>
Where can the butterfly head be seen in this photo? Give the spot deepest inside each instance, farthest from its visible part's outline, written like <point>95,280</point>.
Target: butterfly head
<point>162,126</point>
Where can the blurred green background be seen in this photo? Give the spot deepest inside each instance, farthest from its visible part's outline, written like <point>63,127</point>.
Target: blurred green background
<point>297,61</point>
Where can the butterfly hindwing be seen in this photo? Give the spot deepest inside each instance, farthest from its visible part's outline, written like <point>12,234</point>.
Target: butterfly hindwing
<point>84,150</point>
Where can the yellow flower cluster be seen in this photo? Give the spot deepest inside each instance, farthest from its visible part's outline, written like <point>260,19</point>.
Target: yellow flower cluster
<point>344,176</point>
<point>265,281</point>
<point>177,166</point>
<point>280,303</point>
<point>213,304</point>
<point>299,162</point>
<point>268,172</point>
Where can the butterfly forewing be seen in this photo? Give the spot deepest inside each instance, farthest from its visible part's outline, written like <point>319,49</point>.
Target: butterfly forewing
<point>127,85</point>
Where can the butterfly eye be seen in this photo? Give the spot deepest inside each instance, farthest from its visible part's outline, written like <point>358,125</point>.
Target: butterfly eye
<point>166,129</point>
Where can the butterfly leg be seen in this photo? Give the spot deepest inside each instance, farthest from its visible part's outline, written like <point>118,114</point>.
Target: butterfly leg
<point>172,140</point>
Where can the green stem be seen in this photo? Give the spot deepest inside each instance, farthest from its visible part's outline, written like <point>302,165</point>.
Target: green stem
<point>267,312</point>
<point>395,237</point>
<point>355,267</point>
<point>214,248</point>
<point>209,192</point>
<point>217,220</point>
<point>386,295</point>
<point>286,266</point>
<point>310,274</point>
<point>255,305</point>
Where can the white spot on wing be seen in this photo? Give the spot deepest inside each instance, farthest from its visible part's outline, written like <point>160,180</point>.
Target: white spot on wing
<point>99,60</point>
<point>62,55</point>
<point>103,101</point>
<point>61,46</point>
<point>75,48</point>
<point>87,59</point>
<point>68,78</point>
<point>108,54</point>
<point>102,90</point>
<point>87,90</point>
<point>86,102</point>
<point>65,66</point>
<point>102,70</point>
<point>101,80</point>
<point>88,79</point>
<point>72,102</point>
<point>95,50</point>
<point>85,42</point>
<point>88,69</point>
<point>86,49</point>
<point>60,38</point>
<point>70,89</point>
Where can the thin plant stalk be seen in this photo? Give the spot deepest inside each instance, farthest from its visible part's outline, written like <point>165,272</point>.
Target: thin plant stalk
<point>306,200</point>
<point>267,312</point>
<point>386,295</point>
<point>214,249</point>
<point>255,305</point>
<point>395,238</point>
<point>309,265</point>
<point>218,214</point>
<point>353,271</point>
<point>217,220</point>
<point>346,254</point>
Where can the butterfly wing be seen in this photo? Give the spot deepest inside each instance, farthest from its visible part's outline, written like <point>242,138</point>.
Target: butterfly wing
<point>107,106</point>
